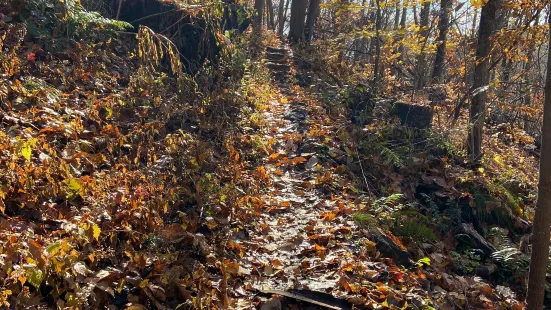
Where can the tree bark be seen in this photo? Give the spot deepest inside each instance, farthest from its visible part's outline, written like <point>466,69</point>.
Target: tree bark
<point>270,8</point>
<point>421,59</point>
<point>359,42</point>
<point>542,219</point>
<point>283,19</point>
<point>402,28</point>
<point>298,12</point>
<point>404,14</point>
<point>280,18</point>
<point>397,15</point>
<point>372,17</point>
<point>477,113</point>
<point>443,27</point>
<point>475,18</point>
<point>415,19</point>
<point>377,65</point>
<point>313,11</point>
<point>259,7</point>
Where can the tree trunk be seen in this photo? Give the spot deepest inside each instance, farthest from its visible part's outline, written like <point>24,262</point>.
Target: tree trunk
<point>372,17</point>
<point>270,8</point>
<point>397,15</point>
<point>377,65</point>
<point>528,65</point>
<point>313,11</point>
<point>443,27</point>
<point>477,113</point>
<point>359,42</point>
<point>402,28</point>
<point>283,18</point>
<point>298,12</point>
<point>421,60</point>
<point>280,18</point>
<point>475,18</point>
<point>259,7</point>
<point>415,19</point>
<point>542,219</point>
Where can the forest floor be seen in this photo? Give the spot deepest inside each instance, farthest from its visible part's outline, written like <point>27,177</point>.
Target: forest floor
<point>255,193</point>
<point>306,245</point>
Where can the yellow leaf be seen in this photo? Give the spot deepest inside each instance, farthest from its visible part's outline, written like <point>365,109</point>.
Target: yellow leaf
<point>96,231</point>
<point>284,100</point>
<point>74,188</point>
<point>26,148</point>
<point>143,283</point>
<point>478,3</point>
<point>498,160</point>
<point>481,170</point>
<point>26,151</point>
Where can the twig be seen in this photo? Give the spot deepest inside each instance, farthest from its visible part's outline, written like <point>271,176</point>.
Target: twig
<point>363,172</point>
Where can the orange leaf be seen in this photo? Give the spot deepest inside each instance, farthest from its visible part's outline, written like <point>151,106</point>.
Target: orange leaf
<point>299,160</point>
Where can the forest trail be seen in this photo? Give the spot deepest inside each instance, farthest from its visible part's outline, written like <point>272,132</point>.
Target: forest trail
<point>299,237</point>
<point>305,239</point>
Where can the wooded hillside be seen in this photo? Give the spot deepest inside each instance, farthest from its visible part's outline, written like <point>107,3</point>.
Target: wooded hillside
<point>275,154</point>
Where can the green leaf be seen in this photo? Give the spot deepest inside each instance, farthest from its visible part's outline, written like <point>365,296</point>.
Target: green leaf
<point>53,248</point>
<point>35,277</point>
<point>74,188</point>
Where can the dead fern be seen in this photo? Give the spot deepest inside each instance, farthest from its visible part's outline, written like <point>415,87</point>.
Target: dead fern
<point>153,48</point>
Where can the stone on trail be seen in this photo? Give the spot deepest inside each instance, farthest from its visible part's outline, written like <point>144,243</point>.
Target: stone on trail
<point>390,249</point>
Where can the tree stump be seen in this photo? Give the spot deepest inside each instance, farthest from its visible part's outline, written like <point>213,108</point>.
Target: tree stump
<point>412,115</point>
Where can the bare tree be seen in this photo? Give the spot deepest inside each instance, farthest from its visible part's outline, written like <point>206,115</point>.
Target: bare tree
<point>377,66</point>
<point>397,15</point>
<point>283,6</point>
<point>259,7</point>
<point>313,11</point>
<point>421,59</point>
<point>270,9</point>
<point>487,27</point>
<point>298,13</point>
<point>443,27</point>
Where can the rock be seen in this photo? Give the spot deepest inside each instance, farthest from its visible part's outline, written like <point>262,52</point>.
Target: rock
<point>310,146</point>
<point>486,271</point>
<point>296,115</point>
<point>390,249</point>
<point>518,188</point>
<point>281,67</point>
<point>275,56</point>
<point>303,80</point>
<point>312,162</point>
<point>479,241</point>
<point>281,50</point>
<point>272,304</point>
<point>412,115</point>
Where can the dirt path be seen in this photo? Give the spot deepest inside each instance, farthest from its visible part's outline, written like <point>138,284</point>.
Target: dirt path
<point>303,238</point>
